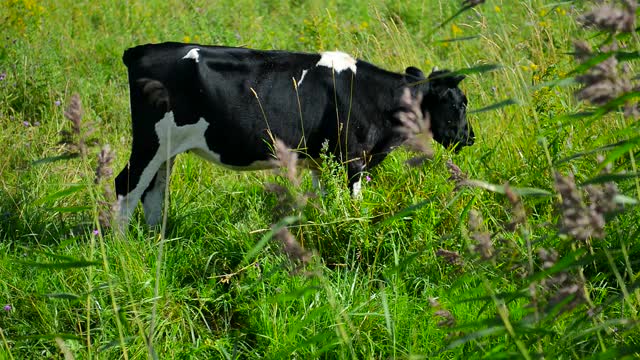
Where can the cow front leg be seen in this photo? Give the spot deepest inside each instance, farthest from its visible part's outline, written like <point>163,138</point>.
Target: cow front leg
<point>153,196</point>
<point>316,183</point>
<point>354,172</point>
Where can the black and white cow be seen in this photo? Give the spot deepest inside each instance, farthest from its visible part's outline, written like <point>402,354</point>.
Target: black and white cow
<point>227,104</point>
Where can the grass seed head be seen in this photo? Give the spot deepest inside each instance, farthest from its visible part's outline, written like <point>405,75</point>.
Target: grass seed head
<point>287,161</point>
<point>484,244</point>
<point>108,206</point>
<point>584,221</point>
<point>447,318</point>
<point>604,81</point>
<point>607,17</point>
<point>559,286</point>
<point>414,126</point>
<point>571,294</point>
<point>583,51</point>
<point>456,175</point>
<point>517,208</point>
<point>74,113</point>
<point>291,247</point>
<point>577,220</point>
<point>105,160</point>
<point>452,257</point>
<point>77,138</point>
<point>548,258</point>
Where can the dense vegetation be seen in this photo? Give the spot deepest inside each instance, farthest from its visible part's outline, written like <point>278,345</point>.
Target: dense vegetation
<point>437,260</point>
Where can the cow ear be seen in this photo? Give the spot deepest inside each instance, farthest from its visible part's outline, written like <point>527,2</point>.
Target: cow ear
<point>414,71</point>
<point>456,79</point>
<point>446,77</point>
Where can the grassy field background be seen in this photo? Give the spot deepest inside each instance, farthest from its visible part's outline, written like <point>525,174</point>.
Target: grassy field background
<point>398,274</point>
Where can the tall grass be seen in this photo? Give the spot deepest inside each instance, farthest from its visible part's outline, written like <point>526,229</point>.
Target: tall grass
<point>481,254</point>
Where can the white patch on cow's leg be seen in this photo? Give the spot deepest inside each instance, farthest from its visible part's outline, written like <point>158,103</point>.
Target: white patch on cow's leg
<point>357,189</point>
<point>338,61</point>
<point>172,141</point>
<point>127,204</point>
<point>316,183</point>
<point>193,54</point>
<point>154,197</point>
<point>315,179</point>
<point>304,72</point>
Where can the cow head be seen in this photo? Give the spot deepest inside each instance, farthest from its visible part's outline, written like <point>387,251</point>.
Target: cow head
<point>447,106</point>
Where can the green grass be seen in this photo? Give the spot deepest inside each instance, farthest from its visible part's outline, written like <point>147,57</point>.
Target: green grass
<point>366,293</point>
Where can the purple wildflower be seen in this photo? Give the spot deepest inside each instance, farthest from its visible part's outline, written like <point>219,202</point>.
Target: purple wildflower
<point>3,76</point>
<point>8,308</point>
<point>57,103</point>
<point>26,123</point>
<point>368,178</point>
<point>96,232</point>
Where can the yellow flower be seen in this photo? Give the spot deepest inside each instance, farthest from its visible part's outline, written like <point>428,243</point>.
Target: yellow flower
<point>497,8</point>
<point>186,39</point>
<point>533,66</point>
<point>456,30</point>
<point>196,38</point>
<point>364,25</point>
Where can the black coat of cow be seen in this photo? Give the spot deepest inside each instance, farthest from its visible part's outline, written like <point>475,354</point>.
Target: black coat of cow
<point>228,104</point>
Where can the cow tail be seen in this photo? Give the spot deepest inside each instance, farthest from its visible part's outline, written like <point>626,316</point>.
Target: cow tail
<point>155,93</point>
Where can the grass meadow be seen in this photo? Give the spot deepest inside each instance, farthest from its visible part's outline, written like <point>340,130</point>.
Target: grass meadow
<point>441,260</point>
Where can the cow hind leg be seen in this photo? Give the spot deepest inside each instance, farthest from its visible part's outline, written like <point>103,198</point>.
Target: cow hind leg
<point>153,197</point>
<point>133,180</point>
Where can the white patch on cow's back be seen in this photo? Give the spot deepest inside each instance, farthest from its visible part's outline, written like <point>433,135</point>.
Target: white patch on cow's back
<point>338,61</point>
<point>193,54</point>
<point>304,72</point>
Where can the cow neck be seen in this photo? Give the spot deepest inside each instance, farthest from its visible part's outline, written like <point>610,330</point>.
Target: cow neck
<point>379,86</point>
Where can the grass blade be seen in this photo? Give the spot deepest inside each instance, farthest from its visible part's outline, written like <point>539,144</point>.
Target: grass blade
<point>604,178</point>
<point>52,159</point>
<point>60,194</point>
<point>63,296</point>
<point>289,220</point>
<point>406,211</point>
<point>628,144</point>
<point>525,191</point>
<point>497,105</point>
<point>462,38</point>
<point>70,209</point>
<point>62,265</point>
